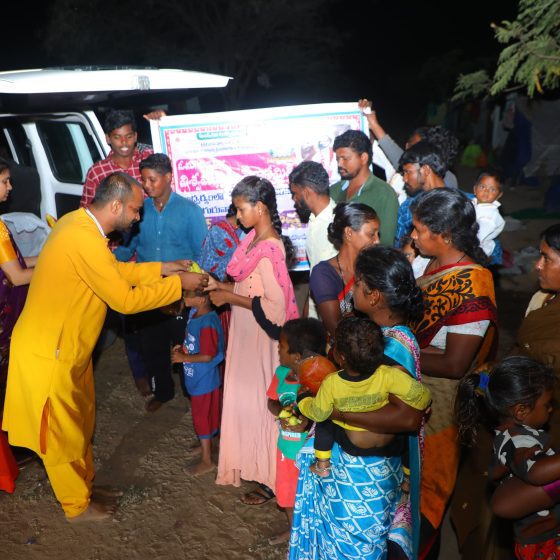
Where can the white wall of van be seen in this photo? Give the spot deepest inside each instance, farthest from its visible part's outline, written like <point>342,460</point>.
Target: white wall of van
<point>63,137</point>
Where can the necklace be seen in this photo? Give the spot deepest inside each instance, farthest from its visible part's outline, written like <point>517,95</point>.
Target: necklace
<point>435,261</point>
<point>339,267</point>
<point>257,239</point>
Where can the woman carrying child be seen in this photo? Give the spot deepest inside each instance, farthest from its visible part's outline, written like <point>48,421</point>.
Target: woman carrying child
<point>386,291</point>
<point>262,300</point>
<point>516,400</point>
<point>348,512</point>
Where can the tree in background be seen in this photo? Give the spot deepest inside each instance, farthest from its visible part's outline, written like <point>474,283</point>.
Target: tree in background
<point>257,42</point>
<point>531,58</point>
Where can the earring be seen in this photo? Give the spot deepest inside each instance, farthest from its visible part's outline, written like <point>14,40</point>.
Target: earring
<point>260,212</point>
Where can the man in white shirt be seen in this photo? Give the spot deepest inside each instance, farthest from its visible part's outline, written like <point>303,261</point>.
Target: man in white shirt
<point>309,185</point>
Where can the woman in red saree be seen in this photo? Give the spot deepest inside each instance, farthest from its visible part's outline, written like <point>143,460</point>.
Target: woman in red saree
<point>456,334</point>
<point>15,275</point>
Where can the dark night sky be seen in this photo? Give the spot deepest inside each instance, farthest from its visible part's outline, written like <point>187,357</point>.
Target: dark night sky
<point>397,52</point>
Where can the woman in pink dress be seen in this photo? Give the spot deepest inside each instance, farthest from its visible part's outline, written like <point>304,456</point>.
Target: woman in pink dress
<point>262,300</point>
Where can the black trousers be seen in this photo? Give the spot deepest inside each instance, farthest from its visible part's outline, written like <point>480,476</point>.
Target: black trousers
<point>149,337</point>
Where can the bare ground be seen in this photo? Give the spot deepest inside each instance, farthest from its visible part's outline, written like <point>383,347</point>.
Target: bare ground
<point>165,512</point>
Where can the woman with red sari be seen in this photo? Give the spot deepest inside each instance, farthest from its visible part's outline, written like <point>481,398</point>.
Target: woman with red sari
<point>354,226</point>
<point>15,275</point>
<point>456,334</point>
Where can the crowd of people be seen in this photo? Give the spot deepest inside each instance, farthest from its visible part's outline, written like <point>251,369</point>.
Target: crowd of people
<point>367,413</point>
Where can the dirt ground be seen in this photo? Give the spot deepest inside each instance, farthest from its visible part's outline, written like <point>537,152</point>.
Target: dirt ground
<point>165,512</point>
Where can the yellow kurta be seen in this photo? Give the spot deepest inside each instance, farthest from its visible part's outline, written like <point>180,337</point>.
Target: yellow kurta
<point>50,375</point>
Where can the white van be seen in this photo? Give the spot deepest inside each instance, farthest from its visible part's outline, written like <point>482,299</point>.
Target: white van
<point>48,128</point>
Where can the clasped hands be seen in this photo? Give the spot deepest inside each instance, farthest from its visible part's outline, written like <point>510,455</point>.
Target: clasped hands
<point>219,292</point>
<point>191,281</point>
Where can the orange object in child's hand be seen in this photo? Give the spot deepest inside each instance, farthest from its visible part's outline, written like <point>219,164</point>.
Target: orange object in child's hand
<point>313,370</point>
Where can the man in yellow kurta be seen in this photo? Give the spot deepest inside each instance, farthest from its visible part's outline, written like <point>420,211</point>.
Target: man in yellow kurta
<point>50,398</point>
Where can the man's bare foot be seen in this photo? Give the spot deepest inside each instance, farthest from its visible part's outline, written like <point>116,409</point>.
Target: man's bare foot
<point>106,492</point>
<point>200,468</point>
<point>321,468</point>
<point>280,538</point>
<point>94,512</point>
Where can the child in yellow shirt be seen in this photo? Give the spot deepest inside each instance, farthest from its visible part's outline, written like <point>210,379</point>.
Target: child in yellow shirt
<point>364,385</point>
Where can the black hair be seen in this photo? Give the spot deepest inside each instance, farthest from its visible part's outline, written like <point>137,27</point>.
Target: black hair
<point>360,342</point>
<point>312,175</point>
<point>160,163</point>
<point>257,189</point>
<point>516,380</point>
<point>444,140</point>
<point>4,165</point>
<point>356,140</point>
<point>551,236</point>
<point>424,153</point>
<point>305,336</point>
<point>118,118</point>
<point>117,186</point>
<point>349,214</point>
<point>489,172</point>
<point>231,211</point>
<point>388,270</point>
<point>449,212</point>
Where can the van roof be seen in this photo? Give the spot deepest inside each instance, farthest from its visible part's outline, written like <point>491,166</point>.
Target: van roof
<point>104,79</point>
<point>88,87</point>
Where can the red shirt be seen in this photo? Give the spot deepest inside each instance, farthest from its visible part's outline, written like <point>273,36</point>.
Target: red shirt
<point>98,171</point>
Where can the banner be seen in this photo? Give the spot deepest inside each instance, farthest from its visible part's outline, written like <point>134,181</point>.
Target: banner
<point>212,152</point>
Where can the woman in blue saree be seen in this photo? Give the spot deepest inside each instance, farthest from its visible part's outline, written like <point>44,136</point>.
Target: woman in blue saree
<point>368,507</point>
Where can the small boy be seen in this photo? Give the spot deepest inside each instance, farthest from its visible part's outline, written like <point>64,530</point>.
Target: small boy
<point>487,191</point>
<point>299,338</point>
<point>201,354</point>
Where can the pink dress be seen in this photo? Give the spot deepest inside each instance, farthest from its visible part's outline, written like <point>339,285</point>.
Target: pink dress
<point>249,432</point>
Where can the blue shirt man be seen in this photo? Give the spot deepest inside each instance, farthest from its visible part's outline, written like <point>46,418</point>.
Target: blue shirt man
<point>176,232</point>
<point>172,228</point>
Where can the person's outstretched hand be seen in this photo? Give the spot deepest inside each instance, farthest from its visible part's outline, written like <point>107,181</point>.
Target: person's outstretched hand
<point>175,267</point>
<point>193,281</point>
<point>371,117</point>
<point>219,297</point>
<point>155,115</point>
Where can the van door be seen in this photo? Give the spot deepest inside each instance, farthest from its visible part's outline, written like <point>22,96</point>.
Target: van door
<point>61,147</point>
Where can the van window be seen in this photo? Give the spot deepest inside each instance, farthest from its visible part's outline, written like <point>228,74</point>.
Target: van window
<point>69,148</point>
<point>16,143</point>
